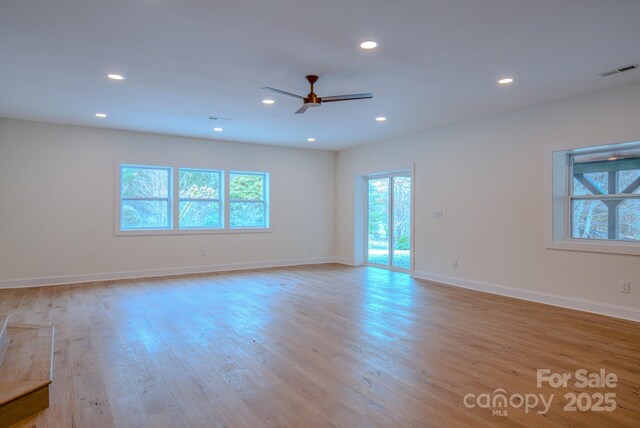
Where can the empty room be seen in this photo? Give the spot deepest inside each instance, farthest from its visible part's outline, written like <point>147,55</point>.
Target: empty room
<point>423,213</point>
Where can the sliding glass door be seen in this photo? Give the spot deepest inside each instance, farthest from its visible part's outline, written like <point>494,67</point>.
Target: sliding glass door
<point>389,221</point>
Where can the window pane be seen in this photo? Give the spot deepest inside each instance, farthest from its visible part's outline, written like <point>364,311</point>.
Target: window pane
<point>145,182</point>
<point>246,186</point>
<point>145,215</point>
<point>629,220</point>
<point>579,189</point>
<point>199,214</point>
<point>626,178</point>
<point>378,227</point>
<point>590,219</point>
<point>247,214</point>
<point>199,184</point>
<point>599,180</point>
<point>402,222</point>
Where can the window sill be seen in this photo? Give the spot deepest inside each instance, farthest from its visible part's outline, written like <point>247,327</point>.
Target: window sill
<point>191,232</point>
<point>596,247</point>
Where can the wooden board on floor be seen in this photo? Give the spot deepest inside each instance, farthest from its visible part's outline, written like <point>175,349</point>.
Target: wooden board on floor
<point>25,372</point>
<point>24,406</point>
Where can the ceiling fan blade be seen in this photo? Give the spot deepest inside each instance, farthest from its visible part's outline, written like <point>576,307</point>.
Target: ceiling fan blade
<point>347,97</point>
<point>302,110</point>
<point>283,92</point>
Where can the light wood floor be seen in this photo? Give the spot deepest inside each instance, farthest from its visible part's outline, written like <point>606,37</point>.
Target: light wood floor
<point>313,346</point>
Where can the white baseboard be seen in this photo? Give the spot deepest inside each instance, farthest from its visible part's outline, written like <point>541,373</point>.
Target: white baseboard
<point>344,261</point>
<point>110,276</point>
<point>623,312</point>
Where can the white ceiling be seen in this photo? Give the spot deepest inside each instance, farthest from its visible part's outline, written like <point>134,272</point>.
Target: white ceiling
<point>437,62</point>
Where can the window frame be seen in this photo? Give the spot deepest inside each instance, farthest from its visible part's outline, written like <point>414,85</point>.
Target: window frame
<point>265,201</point>
<point>220,200</point>
<point>174,201</point>
<point>559,196</point>
<point>611,211</point>
<point>168,199</point>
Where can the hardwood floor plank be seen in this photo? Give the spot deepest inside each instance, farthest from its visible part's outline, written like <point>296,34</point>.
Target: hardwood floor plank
<point>129,412</point>
<point>169,419</point>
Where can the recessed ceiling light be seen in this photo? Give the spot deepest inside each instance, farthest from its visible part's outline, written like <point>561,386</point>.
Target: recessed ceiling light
<point>505,81</point>
<point>101,115</point>
<point>369,44</point>
<point>115,76</point>
<point>311,140</point>
<point>381,119</point>
<point>268,102</point>
<point>217,129</point>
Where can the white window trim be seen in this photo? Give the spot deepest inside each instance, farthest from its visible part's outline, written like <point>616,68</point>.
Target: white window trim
<point>557,203</point>
<point>266,197</point>
<point>173,200</point>
<point>170,194</point>
<point>221,200</point>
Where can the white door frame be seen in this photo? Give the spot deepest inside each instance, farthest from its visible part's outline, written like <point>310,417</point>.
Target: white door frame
<point>389,176</point>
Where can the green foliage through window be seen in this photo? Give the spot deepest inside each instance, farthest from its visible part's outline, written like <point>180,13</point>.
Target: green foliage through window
<point>248,187</point>
<point>145,197</point>
<point>148,194</point>
<point>247,206</point>
<point>199,193</point>
<point>389,197</point>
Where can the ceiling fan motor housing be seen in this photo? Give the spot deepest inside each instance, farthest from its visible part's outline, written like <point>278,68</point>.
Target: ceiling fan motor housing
<point>312,100</point>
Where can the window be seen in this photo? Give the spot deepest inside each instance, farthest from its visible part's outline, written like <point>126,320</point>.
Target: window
<point>199,199</point>
<point>146,197</point>
<point>248,194</point>
<point>175,200</point>
<point>605,195</point>
<point>595,201</point>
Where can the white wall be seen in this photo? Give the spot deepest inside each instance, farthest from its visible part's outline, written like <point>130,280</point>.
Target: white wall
<point>57,205</point>
<point>489,178</point>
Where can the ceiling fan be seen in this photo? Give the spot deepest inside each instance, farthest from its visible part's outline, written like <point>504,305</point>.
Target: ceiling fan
<point>312,100</point>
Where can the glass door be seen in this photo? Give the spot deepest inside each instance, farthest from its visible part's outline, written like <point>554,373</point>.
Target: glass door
<point>389,221</point>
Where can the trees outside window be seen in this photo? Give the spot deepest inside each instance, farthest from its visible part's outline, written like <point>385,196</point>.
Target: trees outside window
<point>145,197</point>
<point>605,195</point>
<point>165,199</point>
<point>389,220</point>
<point>199,200</point>
<point>248,200</point>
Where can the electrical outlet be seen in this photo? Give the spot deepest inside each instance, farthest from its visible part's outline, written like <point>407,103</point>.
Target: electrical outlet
<point>438,214</point>
<point>625,286</point>
<point>203,253</point>
<point>454,264</point>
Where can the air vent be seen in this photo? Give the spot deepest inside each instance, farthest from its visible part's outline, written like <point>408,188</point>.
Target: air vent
<point>620,70</point>
<point>218,118</point>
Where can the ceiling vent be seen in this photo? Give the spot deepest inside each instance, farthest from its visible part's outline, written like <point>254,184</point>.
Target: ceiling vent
<point>620,70</point>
